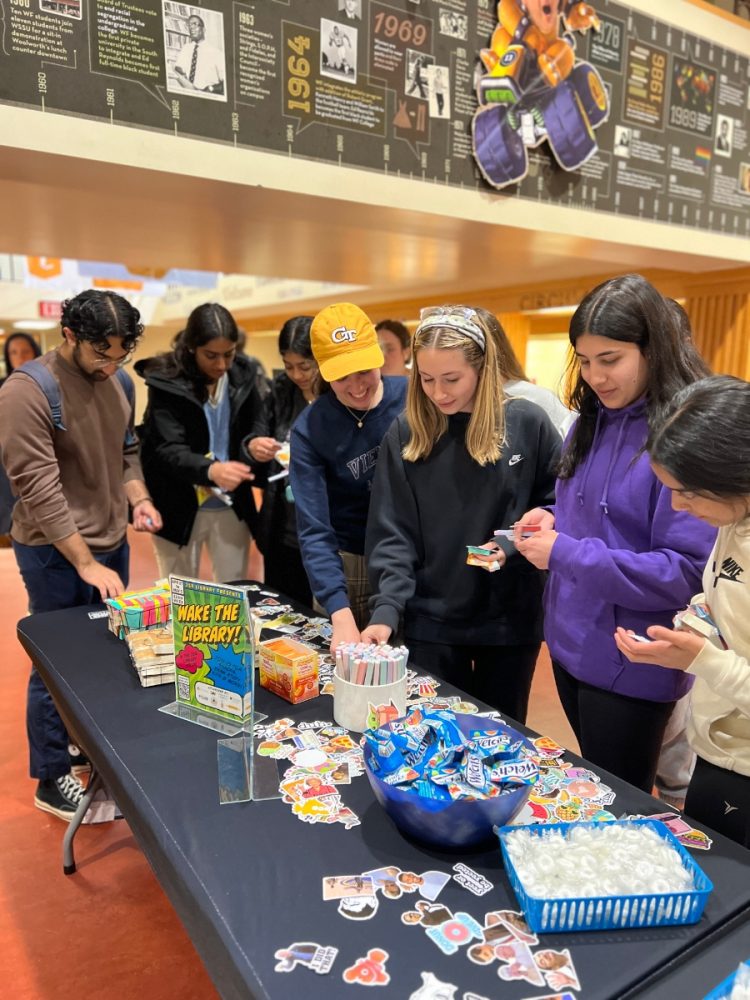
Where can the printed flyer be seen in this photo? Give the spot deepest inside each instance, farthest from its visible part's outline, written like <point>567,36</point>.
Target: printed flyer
<point>214,648</point>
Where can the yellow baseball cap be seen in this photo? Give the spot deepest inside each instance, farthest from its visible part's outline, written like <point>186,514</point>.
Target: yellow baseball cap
<point>344,341</point>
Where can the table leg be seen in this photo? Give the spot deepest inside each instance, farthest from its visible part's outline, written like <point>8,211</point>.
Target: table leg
<point>94,784</point>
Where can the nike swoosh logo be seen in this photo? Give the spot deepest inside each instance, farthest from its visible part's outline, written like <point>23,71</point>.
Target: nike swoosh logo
<point>515,460</point>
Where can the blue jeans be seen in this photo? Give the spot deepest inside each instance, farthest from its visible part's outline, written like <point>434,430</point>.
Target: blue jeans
<point>53,584</point>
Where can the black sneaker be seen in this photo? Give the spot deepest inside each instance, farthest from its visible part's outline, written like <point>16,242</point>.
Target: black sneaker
<point>79,762</point>
<point>59,796</point>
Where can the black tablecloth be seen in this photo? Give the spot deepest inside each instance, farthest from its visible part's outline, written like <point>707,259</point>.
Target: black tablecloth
<point>246,878</point>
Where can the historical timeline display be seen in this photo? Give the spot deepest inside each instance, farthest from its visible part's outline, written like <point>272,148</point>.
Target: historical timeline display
<point>661,132</point>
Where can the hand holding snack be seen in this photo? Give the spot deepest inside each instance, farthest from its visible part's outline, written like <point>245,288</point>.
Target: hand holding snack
<point>489,556</point>
<point>263,449</point>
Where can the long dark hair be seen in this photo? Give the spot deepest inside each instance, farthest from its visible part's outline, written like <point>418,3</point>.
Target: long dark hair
<point>294,337</point>
<point>206,322</point>
<point>20,336</point>
<point>628,309</point>
<point>703,437</point>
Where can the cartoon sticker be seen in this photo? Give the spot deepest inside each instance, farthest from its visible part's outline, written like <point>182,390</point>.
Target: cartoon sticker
<point>433,988</point>
<point>370,970</point>
<point>307,953</point>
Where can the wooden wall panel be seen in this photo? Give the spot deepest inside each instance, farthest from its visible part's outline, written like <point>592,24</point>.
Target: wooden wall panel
<point>721,327</point>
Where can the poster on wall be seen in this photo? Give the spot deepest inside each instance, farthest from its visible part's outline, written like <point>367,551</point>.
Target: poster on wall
<point>596,106</point>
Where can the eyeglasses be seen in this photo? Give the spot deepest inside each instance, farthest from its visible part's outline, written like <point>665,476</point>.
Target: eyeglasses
<point>104,362</point>
<point>460,318</point>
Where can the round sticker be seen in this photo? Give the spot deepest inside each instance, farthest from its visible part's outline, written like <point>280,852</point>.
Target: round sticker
<point>310,758</point>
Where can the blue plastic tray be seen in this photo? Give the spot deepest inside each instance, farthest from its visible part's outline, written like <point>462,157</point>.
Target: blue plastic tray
<point>598,913</point>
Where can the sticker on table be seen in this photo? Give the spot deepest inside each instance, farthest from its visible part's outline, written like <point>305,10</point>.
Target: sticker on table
<point>553,996</point>
<point>687,835</point>
<point>309,758</point>
<point>339,886</point>
<point>433,988</point>
<point>308,954</point>
<point>426,914</point>
<point>429,884</point>
<point>548,746</point>
<point>386,880</point>
<point>557,968</point>
<point>455,933</point>
<point>370,970</point>
<point>471,880</point>
<point>272,748</point>
<point>341,775</point>
<point>518,963</point>
<point>358,907</point>
<point>515,923</point>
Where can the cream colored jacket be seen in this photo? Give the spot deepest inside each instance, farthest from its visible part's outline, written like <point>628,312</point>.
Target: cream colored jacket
<point>719,728</point>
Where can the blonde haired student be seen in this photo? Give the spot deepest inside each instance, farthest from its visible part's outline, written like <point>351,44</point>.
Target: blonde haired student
<point>461,462</point>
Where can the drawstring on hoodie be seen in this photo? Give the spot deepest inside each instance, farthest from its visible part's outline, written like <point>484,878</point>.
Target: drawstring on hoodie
<point>589,458</point>
<point>604,502</point>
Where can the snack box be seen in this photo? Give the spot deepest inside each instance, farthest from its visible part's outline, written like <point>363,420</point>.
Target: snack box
<point>289,669</point>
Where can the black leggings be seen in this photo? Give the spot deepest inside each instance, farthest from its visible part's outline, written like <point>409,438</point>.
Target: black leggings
<point>720,799</point>
<point>616,732</point>
<point>498,675</point>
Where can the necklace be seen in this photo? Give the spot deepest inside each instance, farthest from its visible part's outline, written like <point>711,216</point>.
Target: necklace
<point>360,420</point>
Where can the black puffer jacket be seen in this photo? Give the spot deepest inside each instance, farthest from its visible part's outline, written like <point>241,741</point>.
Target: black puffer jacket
<point>175,439</point>
<point>277,519</point>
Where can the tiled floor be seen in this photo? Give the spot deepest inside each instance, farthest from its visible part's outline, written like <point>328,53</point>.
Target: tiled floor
<point>107,931</point>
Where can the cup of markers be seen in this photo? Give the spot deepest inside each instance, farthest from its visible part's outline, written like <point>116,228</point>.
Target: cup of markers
<point>369,685</point>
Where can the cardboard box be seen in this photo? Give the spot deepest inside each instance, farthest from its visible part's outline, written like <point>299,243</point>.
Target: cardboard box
<point>289,669</point>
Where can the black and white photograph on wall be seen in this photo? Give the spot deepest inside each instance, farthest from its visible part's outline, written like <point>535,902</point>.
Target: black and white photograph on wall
<point>194,51</point>
<point>351,10</point>
<point>438,88</point>
<point>623,140</point>
<point>415,84</point>
<point>338,51</point>
<point>64,8</point>
<point>723,140</point>
<point>452,24</point>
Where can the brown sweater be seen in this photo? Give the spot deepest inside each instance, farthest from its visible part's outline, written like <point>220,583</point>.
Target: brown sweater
<point>71,480</point>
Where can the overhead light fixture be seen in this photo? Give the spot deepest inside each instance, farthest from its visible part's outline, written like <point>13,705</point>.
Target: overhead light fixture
<point>35,324</point>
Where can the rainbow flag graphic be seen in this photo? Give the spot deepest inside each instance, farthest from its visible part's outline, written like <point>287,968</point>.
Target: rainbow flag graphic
<point>702,155</point>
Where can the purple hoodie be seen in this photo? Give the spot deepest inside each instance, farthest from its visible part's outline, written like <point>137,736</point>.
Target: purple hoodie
<point>622,557</point>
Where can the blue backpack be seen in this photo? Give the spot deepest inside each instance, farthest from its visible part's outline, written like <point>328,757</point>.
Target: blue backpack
<point>51,389</point>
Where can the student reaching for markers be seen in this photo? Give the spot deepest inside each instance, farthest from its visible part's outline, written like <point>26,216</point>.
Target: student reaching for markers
<point>334,447</point>
<point>462,461</point>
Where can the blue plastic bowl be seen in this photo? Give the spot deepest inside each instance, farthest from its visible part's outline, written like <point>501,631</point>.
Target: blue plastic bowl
<point>450,824</point>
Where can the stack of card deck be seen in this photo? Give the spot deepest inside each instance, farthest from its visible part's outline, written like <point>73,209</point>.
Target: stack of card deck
<point>152,653</point>
<point>139,609</point>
